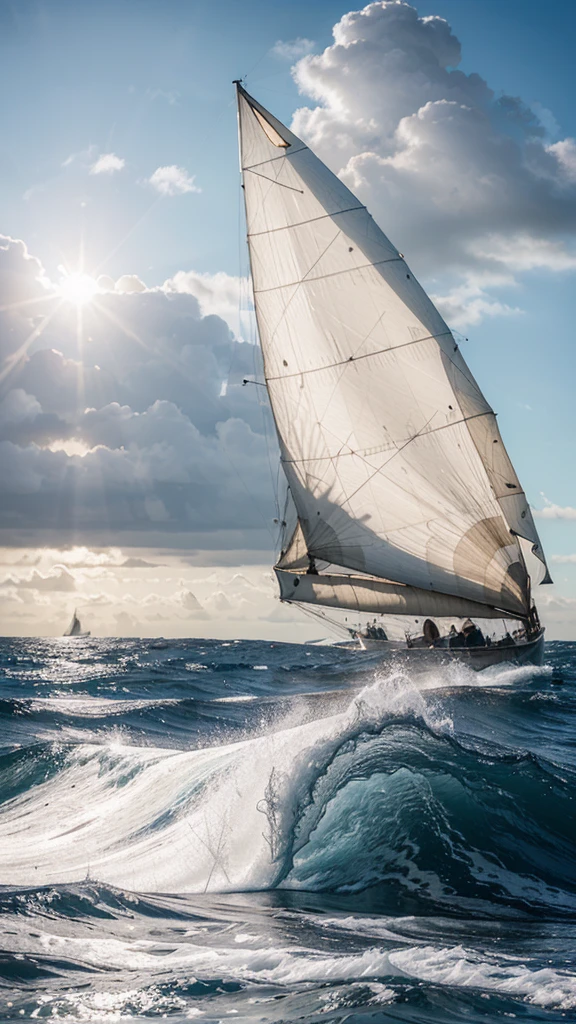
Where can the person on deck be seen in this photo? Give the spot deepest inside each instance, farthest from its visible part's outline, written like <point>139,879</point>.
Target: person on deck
<point>473,636</point>
<point>455,638</point>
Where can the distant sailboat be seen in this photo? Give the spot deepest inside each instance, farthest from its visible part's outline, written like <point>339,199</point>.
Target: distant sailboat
<point>405,499</point>
<point>75,628</point>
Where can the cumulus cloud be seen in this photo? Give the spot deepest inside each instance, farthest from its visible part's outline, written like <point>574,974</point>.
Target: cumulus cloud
<point>292,49</point>
<point>192,605</point>
<point>59,580</point>
<point>551,511</point>
<point>108,163</point>
<point>172,181</point>
<point>129,429</point>
<point>222,294</point>
<point>466,182</point>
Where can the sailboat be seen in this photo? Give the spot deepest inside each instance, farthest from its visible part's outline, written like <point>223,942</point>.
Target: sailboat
<point>402,497</point>
<point>75,628</point>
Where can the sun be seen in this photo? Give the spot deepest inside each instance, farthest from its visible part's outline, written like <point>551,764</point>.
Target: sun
<point>79,289</point>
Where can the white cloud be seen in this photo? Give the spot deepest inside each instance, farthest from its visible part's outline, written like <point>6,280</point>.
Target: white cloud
<point>18,407</point>
<point>221,294</point>
<point>464,181</point>
<point>293,49</point>
<point>564,559</point>
<point>108,163</point>
<point>468,304</point>
<point>131,430</point>
<point>553,511</point>
<point>172,181</point>
<point>59,579</point>
<point>129,283</point>
<point>565,153</point>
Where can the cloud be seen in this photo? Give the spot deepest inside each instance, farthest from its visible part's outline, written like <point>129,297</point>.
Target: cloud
<point>192,605</point>
<point>108,163</point>
<point>139,563</point>
<point>292,49</point>
<point>552,511</point>
<point>59,579</point>
<point>564,559</point>
<point>226,296</point>
<point>468,304</point>
<point>466,182</point>
<point>565,153</point>
<point>142,426</point>
<point>128,284</point>
<point>172,181</point>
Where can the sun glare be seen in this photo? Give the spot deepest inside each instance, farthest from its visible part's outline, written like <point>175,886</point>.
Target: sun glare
<point>78,289</point>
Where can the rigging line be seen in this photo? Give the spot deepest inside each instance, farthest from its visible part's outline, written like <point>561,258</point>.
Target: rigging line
<point>248,492</point>
<point>378,470</point>
<point>301,223</point>
<point>295,292</point>
<point>272,159</point>
<point>356,359</point>
<point>322,616</point>
<point>274,182</point>
<point>322,277</point>
<point>374,451</point>
<point>339,377</point>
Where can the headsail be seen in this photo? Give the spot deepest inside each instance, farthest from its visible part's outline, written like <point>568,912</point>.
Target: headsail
<point>392,454</point>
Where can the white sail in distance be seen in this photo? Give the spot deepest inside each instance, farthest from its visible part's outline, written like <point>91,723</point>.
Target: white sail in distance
<point>393,456</point>
<point>75,627</point>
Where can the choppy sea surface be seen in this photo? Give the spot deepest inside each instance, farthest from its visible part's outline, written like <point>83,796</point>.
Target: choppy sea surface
<point>208,831</point>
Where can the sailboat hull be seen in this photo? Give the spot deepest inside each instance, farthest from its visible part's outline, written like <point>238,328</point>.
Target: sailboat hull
<point>529,652</point>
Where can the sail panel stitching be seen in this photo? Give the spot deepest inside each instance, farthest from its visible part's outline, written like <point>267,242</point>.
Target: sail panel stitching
<point>275,182</point>
<point>374,451</point>
<point>302,223</point>
<point>272,159</point>
<point>322,277</point>
<point>355,359</point>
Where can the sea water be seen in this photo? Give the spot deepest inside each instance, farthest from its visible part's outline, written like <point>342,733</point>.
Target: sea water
<point>209,831</point>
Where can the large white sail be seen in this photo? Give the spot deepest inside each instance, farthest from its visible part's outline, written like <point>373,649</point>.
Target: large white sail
<point>392,454</point>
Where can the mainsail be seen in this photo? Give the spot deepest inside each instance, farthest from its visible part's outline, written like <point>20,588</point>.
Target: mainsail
<point>393,457</point>
<point>75,627</point>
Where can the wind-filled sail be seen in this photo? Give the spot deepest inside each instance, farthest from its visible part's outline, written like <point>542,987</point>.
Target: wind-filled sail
<point>392,454</point>
<point>75,627</point>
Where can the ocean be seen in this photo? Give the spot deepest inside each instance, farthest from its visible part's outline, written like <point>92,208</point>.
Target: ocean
<point>259,832</point>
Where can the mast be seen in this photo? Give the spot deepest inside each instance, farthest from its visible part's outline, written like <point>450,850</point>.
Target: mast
<point>403,489</point>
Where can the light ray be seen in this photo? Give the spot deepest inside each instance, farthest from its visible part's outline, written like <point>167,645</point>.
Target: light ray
<point>13,360</point>
<point>23,303</point>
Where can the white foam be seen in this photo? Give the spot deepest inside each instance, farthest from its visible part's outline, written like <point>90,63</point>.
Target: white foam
<point>215,819</point>
<point>461,968</point>
<point>453,966</point>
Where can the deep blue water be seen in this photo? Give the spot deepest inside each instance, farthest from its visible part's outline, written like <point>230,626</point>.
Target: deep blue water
<point>270,832</point>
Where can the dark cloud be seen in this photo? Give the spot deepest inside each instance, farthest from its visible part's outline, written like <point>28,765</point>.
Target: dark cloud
<point>136,422</point>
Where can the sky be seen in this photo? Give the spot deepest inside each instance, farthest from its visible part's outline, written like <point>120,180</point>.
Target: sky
<point>138,474</point>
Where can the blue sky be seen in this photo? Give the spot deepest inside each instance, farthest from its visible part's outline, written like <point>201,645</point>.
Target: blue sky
<point>151,83</point>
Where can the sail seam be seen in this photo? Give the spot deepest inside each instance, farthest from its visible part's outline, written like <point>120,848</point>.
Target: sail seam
<point>374,451</point>
<point>281,156</point>
<point>275,182</point>
<point>322,277</point>
<point>301,223</point>
<point>366,355</point>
